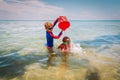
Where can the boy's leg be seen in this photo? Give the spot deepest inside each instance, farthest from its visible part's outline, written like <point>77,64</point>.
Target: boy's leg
<point>51,56</point>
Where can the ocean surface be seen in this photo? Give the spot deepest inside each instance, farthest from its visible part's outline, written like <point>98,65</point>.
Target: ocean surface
<point>95,51</point>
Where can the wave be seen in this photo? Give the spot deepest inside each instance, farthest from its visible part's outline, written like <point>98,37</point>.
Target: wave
<point>101,40</point>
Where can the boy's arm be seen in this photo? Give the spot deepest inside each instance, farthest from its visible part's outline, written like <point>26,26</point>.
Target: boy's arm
<point>55,22</point>
<point>56,37</point>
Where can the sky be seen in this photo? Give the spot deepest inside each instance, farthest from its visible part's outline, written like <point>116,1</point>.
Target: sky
<point>51,9</point>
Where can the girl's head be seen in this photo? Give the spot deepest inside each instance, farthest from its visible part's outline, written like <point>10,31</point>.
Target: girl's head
<point>48,26</point>
<point>66,40</point>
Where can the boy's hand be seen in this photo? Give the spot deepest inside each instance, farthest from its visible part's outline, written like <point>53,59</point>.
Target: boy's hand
<point>61,31</point>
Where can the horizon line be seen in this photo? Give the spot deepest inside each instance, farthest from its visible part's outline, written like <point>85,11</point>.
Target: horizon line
<point>51,19</point>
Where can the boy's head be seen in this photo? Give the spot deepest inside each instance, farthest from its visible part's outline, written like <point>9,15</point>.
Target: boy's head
<point>66,39</point>
<point>48,26</point>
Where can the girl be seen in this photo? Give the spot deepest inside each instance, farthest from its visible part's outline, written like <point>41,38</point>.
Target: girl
<point>64,48</point>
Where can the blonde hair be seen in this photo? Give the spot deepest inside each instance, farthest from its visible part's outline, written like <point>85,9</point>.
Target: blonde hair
<point>48,24</point>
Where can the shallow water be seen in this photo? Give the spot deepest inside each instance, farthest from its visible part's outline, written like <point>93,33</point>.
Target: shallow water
<point>95,53</point>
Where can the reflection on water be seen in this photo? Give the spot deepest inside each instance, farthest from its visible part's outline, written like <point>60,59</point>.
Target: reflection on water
<point>62,70</point>
<point>79,67</point>
<point>12,65</point>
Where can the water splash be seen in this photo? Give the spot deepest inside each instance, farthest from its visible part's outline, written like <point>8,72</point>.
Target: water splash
<point>76,49</point>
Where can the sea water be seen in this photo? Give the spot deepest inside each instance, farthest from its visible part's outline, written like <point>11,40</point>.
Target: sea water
<point>95,51</point>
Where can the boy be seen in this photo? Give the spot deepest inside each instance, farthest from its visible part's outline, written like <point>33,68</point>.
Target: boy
<point>50,38</point>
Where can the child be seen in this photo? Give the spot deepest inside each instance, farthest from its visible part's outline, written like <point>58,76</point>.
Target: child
<point>50,38</point>
<point>64,48</point>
